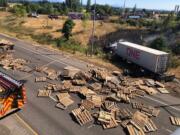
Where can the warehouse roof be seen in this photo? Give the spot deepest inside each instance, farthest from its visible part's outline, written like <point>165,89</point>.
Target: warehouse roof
<point>143,48</point>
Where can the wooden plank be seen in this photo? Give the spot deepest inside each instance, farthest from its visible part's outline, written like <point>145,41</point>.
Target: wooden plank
<point>82,115</point>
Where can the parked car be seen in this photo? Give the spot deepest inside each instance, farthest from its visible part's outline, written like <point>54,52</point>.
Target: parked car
<point>53,16</point>
<point>34,15</point>
<point>75,15</point>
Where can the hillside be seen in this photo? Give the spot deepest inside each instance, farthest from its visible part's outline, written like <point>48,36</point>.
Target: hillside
<point>43,25</point>
<point>45,31</point>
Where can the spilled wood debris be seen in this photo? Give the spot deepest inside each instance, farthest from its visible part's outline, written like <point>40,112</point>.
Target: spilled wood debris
<point>101,93</point>
<point>175,120</point>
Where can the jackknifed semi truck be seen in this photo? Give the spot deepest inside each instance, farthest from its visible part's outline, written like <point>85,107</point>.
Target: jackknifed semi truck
<point>151,60</point>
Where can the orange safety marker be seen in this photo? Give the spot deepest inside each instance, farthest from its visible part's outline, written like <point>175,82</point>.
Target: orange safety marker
<point>24,95</point>
<point>20,103</point>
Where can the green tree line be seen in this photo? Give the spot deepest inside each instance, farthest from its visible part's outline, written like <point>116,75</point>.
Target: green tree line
<point>45,7</point>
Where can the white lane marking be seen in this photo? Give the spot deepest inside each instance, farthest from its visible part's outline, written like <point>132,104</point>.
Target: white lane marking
<point>161,102</point>
<point>53,98</point>
<point>49,63</point>
<point>177,109</point>
<point>169,130</point>
<point>26,124</point>
<point>91,126</point>
<point>25,77</point>
<point>36,52</point>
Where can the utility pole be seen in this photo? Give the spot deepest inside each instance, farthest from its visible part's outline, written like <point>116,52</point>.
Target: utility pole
<point>93,29</point>
<point>124,8</point>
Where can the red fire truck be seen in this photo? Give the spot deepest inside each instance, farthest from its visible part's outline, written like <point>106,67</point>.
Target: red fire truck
<point>12,95</point>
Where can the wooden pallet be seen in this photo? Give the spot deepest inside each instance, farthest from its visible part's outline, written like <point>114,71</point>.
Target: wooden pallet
<point>40,79</point>
<point>87,104</point>
<point>96,99</point>
<point>124,113</point>
<point>148,110</point>
<point>175,120</point>
<point>124,123</point>
<point>163,90</point>
<point>150,126</point>
<point>133,129</point>
<point>112,124</point>
<point>110,106</point>
<point>82,115</point>
<point>44,93</point>
<point>65,100</point>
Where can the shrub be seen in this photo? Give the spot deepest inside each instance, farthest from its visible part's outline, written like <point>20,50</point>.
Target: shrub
<point>159,44</point>
<point>176,49</point>
<point>174,62</point>
<point>67,28</point>
<point>70,45</point>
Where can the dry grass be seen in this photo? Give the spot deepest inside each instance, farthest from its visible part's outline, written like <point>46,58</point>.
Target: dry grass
<point>81,32</point>
<point>175,71</point>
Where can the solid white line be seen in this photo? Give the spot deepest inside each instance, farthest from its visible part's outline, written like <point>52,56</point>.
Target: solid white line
<point>36,52</point>
<point>26,124</point>
<point>161,102</point>
<point>49,63</point>
<point>169,130</point>
<point>53,98</point>
<point>25,77</point>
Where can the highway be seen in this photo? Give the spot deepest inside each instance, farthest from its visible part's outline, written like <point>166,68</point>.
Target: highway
<point>45,119</point>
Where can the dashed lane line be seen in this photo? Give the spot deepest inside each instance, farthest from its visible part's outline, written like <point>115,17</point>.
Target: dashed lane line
<point>163,103</point>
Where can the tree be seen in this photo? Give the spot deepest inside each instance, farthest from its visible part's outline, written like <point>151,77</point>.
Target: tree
<point>134,9</point>
<point>3,3</point>
<point>85,19</point>
<point>159,44</point>
<point>67,28</point>
<point>88,6</point>
<point>73,4</point>
<point>64,8</point>
<point>20,11</point>
<point>168,22</point>
<point>176,49</point>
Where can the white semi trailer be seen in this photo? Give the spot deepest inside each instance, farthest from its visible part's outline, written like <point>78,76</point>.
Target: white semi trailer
<point>154,60</point>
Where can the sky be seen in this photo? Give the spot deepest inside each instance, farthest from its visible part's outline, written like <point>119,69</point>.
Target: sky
<point>148,4</point>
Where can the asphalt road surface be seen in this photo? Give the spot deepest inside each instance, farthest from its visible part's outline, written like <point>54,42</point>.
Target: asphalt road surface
<point>45,119</point>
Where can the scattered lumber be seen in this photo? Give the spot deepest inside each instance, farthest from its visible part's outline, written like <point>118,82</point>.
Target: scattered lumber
<point>175,120</point>
<point>87,104</point>
<point>44,93</point>
<point>82,115</point>
<point>70,72</point>
<point>40,79</point>
<point>64,100</point>
<point>163,90</point>
<point>100,93</point>
<point>104,117</point>
<point>112,124</point>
